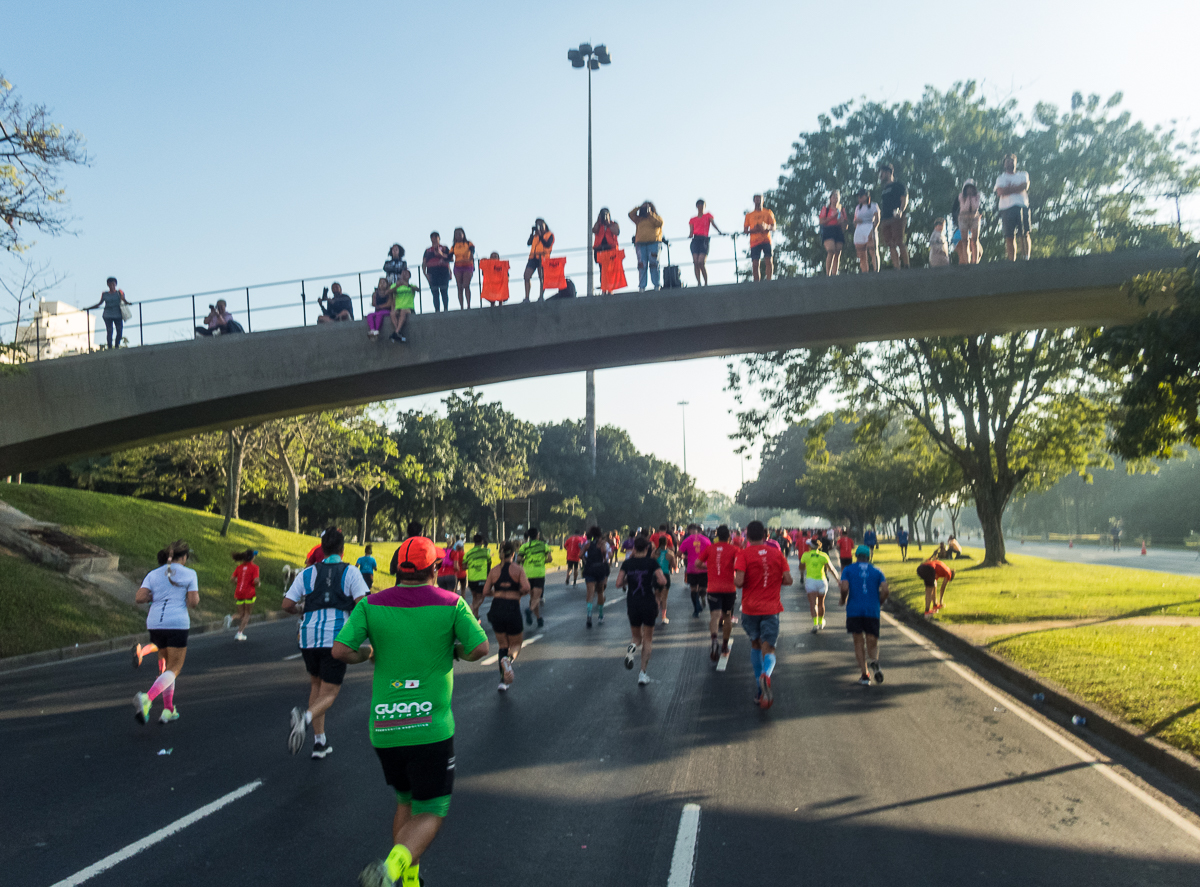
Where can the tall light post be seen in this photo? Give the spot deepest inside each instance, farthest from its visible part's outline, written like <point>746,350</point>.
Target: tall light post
<point>683,405</point>
<point>587,56</point>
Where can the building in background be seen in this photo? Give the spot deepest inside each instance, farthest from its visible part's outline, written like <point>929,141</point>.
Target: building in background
<point>57,329</point>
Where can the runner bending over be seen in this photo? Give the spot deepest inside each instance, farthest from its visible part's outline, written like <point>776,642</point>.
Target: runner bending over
<point>595,573</point>
<point>506,584</point>
<point>245,588</point>
<point>722,591</point>
<point>642,576</point>
<point>864,588</point>
<point>169,590</point>
<point>930,572</point>
<point>816,566</point>
<point>761,571</point>
<point>417,631</point>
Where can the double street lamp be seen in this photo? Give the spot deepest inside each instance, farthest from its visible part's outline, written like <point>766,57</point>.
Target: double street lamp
<point>590,57</point>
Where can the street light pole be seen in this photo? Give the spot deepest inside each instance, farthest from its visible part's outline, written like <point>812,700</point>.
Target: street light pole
<point>683,405</point>
<point>591,58</point>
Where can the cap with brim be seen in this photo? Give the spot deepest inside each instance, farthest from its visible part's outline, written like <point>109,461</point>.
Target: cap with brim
<point>862,551</point>
<point>417,554</point>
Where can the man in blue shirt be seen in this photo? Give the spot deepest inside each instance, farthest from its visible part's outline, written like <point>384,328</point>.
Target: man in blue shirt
<point>864,588</point>
<point>902,541</point>
<point>871,540</point>
<point>367,566</point>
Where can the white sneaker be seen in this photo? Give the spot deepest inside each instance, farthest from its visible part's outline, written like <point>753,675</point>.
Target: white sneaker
<point>506,664</point>
<point>643,679</point>
<point>629,651</point>
<point>240,637</point>
<point>503,687</point>
<point>228,620</point>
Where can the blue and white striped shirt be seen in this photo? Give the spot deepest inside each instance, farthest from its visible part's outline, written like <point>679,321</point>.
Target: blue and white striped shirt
<point>320,627</point>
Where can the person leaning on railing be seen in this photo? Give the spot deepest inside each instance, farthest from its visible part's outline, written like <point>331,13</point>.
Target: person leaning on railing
<point>114,321</point>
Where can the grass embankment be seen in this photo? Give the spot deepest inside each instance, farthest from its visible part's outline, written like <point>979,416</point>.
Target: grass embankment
<point>136,529</point>
<point>1147,674</point>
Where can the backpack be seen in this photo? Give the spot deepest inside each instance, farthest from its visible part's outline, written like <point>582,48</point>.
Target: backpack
<point>567,292</point>
<point>233,327</point>
<point>594,553</point>
<point>672,279</point>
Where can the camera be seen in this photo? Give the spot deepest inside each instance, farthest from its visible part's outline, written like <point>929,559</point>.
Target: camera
<point>325,294</point>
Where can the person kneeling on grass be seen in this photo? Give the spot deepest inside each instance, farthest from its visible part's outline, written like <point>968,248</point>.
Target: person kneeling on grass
<point>930,572</point>
<point>864,588</point>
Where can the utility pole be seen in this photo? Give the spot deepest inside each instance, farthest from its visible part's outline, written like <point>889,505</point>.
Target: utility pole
<point>683,405</point>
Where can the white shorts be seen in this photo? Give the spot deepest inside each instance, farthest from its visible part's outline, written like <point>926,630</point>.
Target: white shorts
<point>862,233</point>
<point>815,586</point>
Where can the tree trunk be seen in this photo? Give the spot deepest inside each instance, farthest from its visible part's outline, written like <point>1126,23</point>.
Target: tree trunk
<point>989,505</point>
<point>433,511</point>
<point>293,505</point>
<point>929,525</point>
<point>233,487</point>
<point>914,531</point>
<point>366,523</point>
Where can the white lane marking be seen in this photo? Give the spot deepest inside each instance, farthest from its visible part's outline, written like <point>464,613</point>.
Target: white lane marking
<point>683,860</point>
<point>495,657</point>
<point>293,656</point>
<point>1101,765</point>
<point>150,840</point>
<point>723,662</point>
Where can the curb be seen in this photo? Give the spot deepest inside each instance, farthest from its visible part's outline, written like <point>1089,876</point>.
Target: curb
<point>1166,759</point>
<point>95,648</point>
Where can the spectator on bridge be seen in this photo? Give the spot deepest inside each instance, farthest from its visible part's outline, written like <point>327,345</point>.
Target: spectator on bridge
<point>969,216</point>
<point>893,201</point>
<point>394,264</point>
<point>604,238</point>
<point>1012,190</point>
<point>939,253</point>
<point>382,302</point>
<point>831,218</point>
<point>464,265</point>
<point>540,243</point>
<point>646,240</point>
<point>493,284</point>
<point>218,322</point>
<point>337,308</point>
<point>866,221</point>
<point>759,224</point>
<point>698,225</point>
<point>114,321</point>
<point>403,304</point>
<point>436,265</point>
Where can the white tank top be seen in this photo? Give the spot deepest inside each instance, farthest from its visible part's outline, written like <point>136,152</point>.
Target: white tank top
<point>168,607</point>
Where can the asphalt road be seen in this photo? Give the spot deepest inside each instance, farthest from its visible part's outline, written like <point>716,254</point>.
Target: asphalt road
<point>1160,560</point>
<point>578,775</point>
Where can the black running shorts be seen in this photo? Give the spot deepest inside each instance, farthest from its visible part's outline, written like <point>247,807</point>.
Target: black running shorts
<point>595,572</point>
<point>168,637</point>
<point>447,583</point>
<point>760,251</point>
<point>476,586</point>
<point>537,582</point>
<point>424,771</point>
<point>722,600</point>
<point>862,625</point>
<point>927,573</point>
<point>698,580</point>
<point>320,664</point>
<point>642,609</point>
<point>505,616</point>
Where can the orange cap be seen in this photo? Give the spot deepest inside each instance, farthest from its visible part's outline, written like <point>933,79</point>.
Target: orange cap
<point>417,553</point>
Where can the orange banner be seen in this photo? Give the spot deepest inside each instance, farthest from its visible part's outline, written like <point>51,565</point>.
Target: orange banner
<point>612,270</point>
<point>555,271</point>
<point>495,279</point>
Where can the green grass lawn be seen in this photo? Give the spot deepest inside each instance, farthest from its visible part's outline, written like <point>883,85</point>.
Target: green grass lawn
<point>136,529</point>
<point>1147,674</point>
<point>1032,588</point>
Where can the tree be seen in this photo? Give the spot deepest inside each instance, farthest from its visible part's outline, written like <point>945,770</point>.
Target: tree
<point>33,152</point>
<point>241,440</point>
<point>1159,360</point>
<point>306,453</point>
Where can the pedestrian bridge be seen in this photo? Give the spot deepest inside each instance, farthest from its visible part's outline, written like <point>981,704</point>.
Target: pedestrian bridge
<point>69,407</point>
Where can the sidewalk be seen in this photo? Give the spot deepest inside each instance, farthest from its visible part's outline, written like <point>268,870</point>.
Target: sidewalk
<point>1180,563</point>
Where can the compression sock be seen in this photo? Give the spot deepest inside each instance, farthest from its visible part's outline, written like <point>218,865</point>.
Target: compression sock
<point>398,862</point>
<point>600,611</point>
<point>166,679</point>
<point>816,620</point>
<point>756,660</point>
<point>319,737</point>
<point>589,609</point>
<point>307,717</point>
<point>768,663</point>
<point>169,698</point>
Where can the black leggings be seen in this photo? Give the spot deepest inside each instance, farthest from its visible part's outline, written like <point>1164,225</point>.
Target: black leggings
<point>444,290</point>
<point>111,324</point>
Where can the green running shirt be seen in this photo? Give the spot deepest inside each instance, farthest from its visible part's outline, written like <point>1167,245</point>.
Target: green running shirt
<point>478,562</point>
<point>814,563</point>
<point>413,630</point>
<point>534,555</point>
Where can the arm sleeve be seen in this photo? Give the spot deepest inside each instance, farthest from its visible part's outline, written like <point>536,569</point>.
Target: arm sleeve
<point>354,632</point>
<point>467,629</point>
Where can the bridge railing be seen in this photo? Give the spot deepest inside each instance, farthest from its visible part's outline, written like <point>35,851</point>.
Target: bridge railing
<point>283,304</point>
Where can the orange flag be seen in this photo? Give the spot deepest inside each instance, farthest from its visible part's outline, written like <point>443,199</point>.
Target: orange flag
<point>495,279</point>
<point>612,270</point>
<point>555,271</point>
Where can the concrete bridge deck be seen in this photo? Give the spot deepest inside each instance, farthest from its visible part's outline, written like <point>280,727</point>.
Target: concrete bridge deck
<point>74,406</point>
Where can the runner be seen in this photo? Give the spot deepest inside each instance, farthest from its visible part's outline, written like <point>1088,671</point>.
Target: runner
<point>447,573</point>
<point>367,565</point>
<point>930,572</point>
<point>169,590</point>
<point>722,591</point>
<point>417,632</point>
<point>693,547</point>
<point>506,584</point>
<point>595,573</point>
<point>761,571</point>
<point>245,588</point>
<point>533,556</point>
<point>667,562</point>
<point>902,541</point>
<point>845,547</point>
<point>324,593</point>
<point>460,566</point>
<point>573,545</point>
<point>478,562</point>
<point>627,545</point>
<point>871,540</point>
<point>642,576</point>
<point>816,565</point>
<point>142,650</point>
<point>864,588</point>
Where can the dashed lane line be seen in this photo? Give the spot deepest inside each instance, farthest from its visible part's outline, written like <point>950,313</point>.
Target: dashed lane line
<point>683,860</point>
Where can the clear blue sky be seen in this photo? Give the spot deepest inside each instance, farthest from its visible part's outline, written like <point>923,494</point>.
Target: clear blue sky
<point>238,143</point>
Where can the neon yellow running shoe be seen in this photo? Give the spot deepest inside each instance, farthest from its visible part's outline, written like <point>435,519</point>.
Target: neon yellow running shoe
<point>397,862</point>
<point>168,715</point>
<point>141,706</point>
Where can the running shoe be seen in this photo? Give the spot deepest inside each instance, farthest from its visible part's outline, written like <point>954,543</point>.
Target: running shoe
<point>666,621</point>
<point>299,730</point>
<point>542,622</point>
<point>137,655</point>
<point>715,652</point>
<point>876,671</point>
<point>240,637</point>
<point>822,623</point>
<point>375,875</point>
<point>228,620</point>
<point>599,618</point>
<point>864,681</point>
<point>589,622</point>
<point>503,687</point>
<point>767,699</point>
<point>321,749</point>
<point>725,648</point>
<point>506,664</point>
<point>397,862</point>
<point>629,651</point>
<point>528,616</point>
<point>167,716</point>
<point>816,627</point>
<point>643,679</point>
<point>141,708</point>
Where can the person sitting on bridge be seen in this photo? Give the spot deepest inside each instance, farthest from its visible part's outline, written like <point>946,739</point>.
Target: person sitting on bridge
<point>395,263</point>
<point>337,308</point>
<point>647,239</point>
<point>218,322</point>
<point>759,223</point>
<point>382,301</point>
<point>403,304</point>
<point>540,243</point>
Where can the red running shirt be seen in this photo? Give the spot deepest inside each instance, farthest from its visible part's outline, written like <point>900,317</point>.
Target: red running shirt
<point>845,547</point>
<point>572,545</point>
<point>245,574</point>
<point>718,558</point>
<point>764,567</point>
<point>940,570</point>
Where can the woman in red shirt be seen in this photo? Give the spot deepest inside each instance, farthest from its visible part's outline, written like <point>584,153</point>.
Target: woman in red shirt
<point>832,218</point>
<point>245,588</point>
<point>698,228</point>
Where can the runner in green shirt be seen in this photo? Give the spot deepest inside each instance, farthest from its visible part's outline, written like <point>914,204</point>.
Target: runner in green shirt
<point>533,556</point>
<point>479,563</point>
<point>417,631</point>
<point>816,564</point>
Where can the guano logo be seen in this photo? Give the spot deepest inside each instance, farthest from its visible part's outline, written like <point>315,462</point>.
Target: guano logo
<point>385,709</point>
